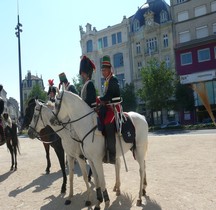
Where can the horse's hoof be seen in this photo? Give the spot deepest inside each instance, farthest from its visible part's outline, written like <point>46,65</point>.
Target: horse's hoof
<point>114,189</point>
<point>63,191</point>
<point>139,202</point>
<point>89,179</point>
<point>143,192</point>
<point>97,208</point>
<point>107,204</point>
<point>118,192</point>
<point>88,203</point>
<point>67,202</point>
<point>11,169</point>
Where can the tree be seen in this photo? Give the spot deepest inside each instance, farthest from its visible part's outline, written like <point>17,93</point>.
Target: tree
<point>129,98</point>
<point>77,81</point>
<point>158,83</point>
<point>37,92</point>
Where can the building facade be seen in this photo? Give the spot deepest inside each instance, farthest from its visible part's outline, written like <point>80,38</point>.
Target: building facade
<point>28,83</point>
<point>130,44</point>
<point>194,32</point>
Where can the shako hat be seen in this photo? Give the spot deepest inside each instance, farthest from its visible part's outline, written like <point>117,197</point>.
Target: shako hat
<point>106,61</point>
<point>63,78</point>
<point>1,87</point>
<point>86,66</point>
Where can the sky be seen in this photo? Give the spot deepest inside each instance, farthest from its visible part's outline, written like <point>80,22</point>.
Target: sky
<point>50,41</point>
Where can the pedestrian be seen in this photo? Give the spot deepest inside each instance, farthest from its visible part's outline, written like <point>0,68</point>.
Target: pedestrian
<point>106,112</point>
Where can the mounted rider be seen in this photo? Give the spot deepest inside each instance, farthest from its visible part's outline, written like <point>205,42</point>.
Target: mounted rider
<point>106,112</point>
<point>88,91</point>
<point>52,90</point>
<point>65,84</point>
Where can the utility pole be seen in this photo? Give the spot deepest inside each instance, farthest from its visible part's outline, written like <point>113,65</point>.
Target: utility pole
<point>18,31</point>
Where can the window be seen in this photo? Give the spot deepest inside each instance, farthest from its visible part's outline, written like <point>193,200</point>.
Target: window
<point>119,37</point>
<point>138,48</point>
<point>201,32</point>
<point>214,28</point>
<point>105,42</point>
<point>183,16</point>
<point>151,45</point>
<point>116,38</point>
<point>201,10</point>
<point>184,36</point>
<point>186,58</point>
<point>118,60</point>
<point>215,52</point>
<point>163,16</point>
<point>204,55</point>
<point>139,66</point>
<point>113,39</point>
<point>167,61</point>
<point>102,42</point>
<point>89,46</point>
<point>136,25</point>
<point>165,40</point>
<point>180,1</point>
<point>213,6</point>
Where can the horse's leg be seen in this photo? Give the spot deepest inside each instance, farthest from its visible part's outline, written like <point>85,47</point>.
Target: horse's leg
<point>10,147</point>
<point>117,173</point>
<point>47,150</point>
<point>98,173</point>
<point>70,161</point>
<point>82,164</point>
<point>140,157</point>
<point>61,157</point>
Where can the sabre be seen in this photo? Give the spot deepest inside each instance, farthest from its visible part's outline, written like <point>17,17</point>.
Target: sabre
<point>119,131</point>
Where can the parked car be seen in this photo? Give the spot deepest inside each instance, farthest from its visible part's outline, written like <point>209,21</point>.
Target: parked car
<point>171,124</point>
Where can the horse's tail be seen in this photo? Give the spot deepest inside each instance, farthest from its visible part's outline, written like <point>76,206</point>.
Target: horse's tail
<point>14,136</point>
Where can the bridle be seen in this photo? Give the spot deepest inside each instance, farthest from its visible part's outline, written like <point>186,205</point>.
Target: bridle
<point>72,121</point>
<point>38,136</point>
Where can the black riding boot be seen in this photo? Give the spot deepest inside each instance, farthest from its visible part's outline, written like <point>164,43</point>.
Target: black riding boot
<point>110,143</point>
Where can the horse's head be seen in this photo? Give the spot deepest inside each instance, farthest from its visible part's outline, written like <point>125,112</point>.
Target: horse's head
<point>58,113</point>
<point>29,112</point>
<point>39,120</point>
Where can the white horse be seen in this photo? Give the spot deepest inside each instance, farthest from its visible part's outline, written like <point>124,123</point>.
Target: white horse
<point>70,143</point>
<point>84,121</point>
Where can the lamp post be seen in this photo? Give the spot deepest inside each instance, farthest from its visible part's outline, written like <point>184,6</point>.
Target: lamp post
<point>18,31</point>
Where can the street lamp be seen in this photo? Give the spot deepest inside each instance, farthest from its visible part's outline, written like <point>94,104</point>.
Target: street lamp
<point>18,31</point>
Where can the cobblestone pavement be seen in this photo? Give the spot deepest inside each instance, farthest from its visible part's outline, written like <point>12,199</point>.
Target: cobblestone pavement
<point>181,175</point>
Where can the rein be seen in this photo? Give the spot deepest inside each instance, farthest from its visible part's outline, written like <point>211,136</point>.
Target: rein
<point>39,137</point>
<point>73,121</point>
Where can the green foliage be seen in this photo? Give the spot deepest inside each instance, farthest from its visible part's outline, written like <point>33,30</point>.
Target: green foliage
<point>158,85</point>
<point>129,98</point>
<point>78,83</point>
<point>37,92</point>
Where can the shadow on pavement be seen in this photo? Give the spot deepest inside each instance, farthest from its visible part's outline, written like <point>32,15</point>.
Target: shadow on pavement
<point>41,183</point>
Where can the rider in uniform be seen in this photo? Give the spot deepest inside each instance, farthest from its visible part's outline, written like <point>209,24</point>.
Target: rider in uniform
<point>106,113</point>
<point>88,91</point>
<point>52,91</point>
<point>65,84</point>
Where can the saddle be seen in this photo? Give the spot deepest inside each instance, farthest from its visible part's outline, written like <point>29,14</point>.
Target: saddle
<point>128,130</point>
